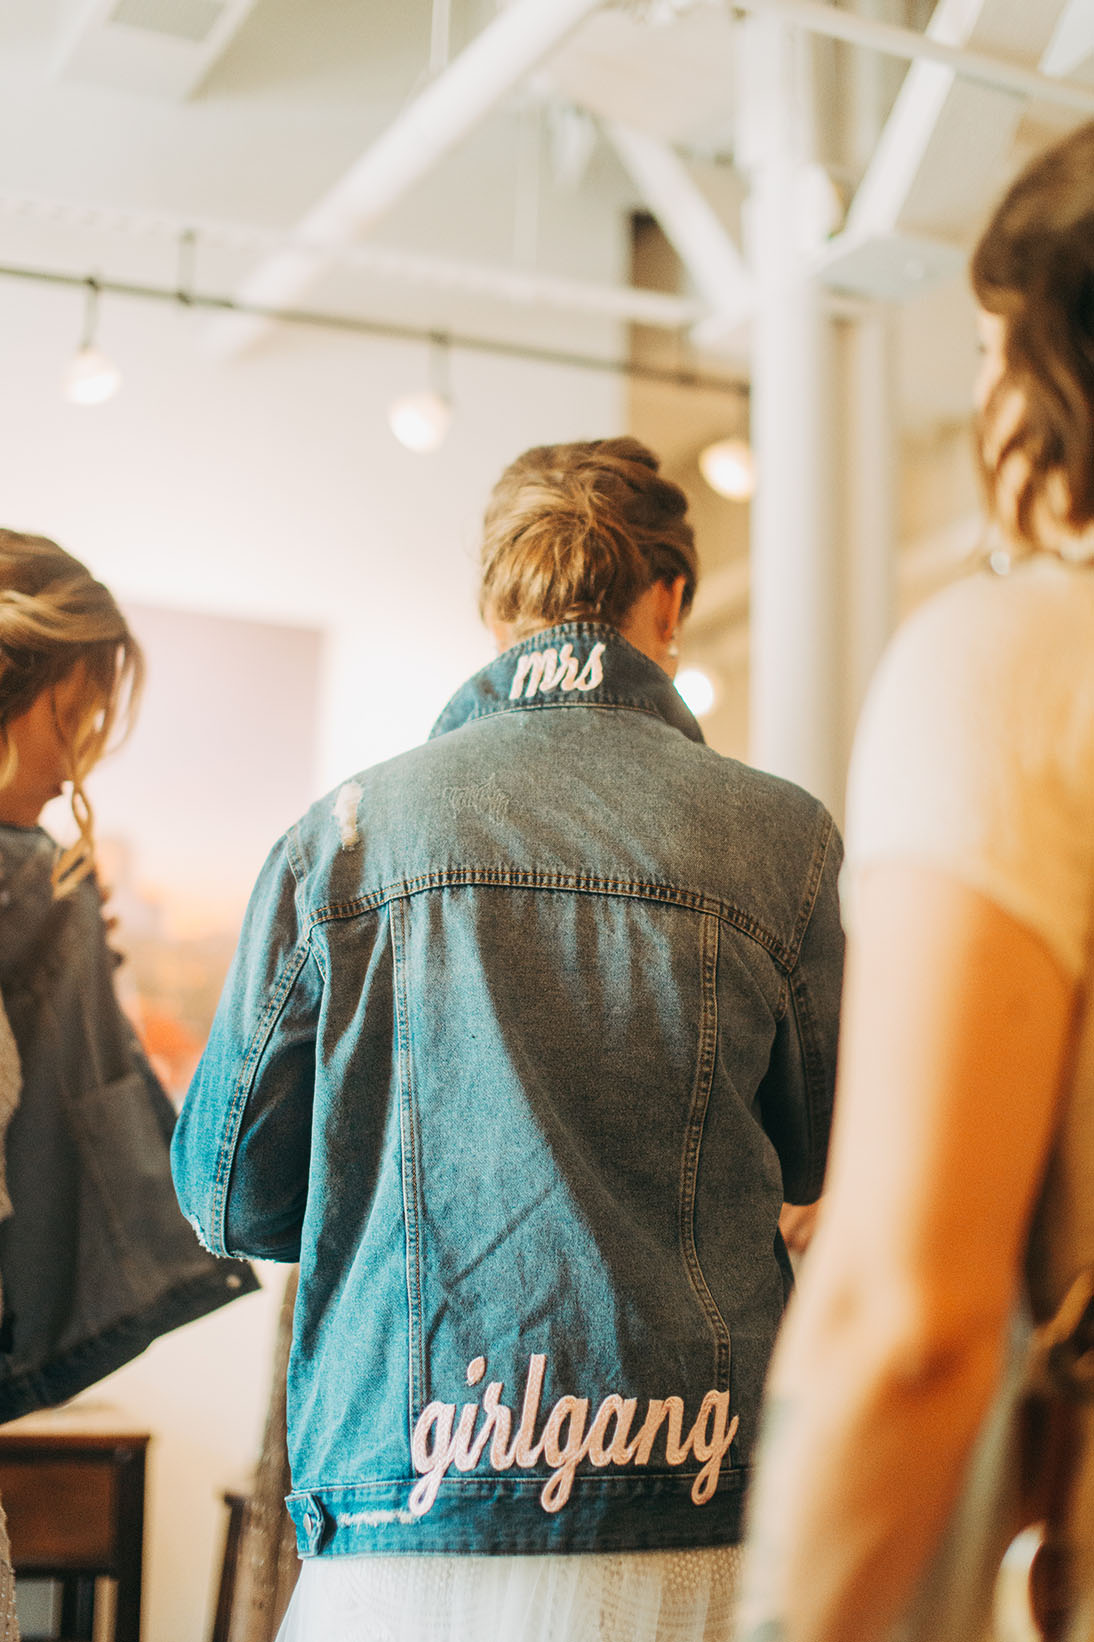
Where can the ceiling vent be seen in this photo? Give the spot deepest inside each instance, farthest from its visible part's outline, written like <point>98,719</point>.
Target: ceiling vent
<point>162,48</point>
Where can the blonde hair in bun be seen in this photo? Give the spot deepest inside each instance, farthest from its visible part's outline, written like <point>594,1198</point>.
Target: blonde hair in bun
<point>579,531</point>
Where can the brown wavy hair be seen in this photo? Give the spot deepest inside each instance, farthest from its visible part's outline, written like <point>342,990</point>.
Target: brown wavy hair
<point>54,616</point>
<point>579,531</point>
<point>1034,268</point>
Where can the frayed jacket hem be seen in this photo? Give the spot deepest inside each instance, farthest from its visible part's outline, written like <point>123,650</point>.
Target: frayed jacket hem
<point>73,1371</point>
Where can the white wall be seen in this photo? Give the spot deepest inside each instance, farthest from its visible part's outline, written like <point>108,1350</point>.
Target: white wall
<point>268,487</point>
<point>271,487</point>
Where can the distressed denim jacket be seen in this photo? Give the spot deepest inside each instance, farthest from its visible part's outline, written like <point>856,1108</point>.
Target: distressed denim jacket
<point>529,1033</point>
<point>96,1260</point>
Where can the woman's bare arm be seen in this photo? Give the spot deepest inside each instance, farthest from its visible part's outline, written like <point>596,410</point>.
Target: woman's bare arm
<point>956,1026</point>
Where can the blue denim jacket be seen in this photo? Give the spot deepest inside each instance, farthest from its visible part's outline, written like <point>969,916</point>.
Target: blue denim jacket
<point>529,1032</point>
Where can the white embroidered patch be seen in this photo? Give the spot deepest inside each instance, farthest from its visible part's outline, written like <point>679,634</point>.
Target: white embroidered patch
<point>567,1438</point>
<point>486,797</point>
<point>374,1519</point>
<point>346,802</point>
<point>543,670</point>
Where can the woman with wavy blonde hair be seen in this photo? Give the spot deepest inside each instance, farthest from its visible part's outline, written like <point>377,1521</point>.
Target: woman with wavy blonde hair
<point>70,672</point>
<point>95,1259</point>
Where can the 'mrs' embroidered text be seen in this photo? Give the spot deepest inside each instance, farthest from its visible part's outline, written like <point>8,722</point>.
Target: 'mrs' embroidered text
<point>544,670</point>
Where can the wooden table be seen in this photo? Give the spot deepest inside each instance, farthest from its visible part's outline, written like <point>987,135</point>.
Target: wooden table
<point>75,1507</point>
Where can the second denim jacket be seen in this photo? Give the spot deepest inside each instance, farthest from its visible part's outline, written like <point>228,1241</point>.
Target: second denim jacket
<point>96,1260</point>
<point>528,1035</point>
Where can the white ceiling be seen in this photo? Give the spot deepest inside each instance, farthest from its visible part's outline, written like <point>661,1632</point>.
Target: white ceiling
<point>94,118</point>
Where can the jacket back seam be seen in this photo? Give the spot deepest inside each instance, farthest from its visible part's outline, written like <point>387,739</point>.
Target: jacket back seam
<point>409,1176</point>
<point>689,1172</point>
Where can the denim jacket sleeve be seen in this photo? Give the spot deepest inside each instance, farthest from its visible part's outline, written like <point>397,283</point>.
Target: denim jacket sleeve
<point>240,1153</point>
<point>796,1095</point>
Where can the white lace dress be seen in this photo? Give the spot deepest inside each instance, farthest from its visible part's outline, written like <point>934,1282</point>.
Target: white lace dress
<point>636,1596</point>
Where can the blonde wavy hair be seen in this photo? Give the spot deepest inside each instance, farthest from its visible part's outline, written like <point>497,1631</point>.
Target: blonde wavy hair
<point>54,617</point>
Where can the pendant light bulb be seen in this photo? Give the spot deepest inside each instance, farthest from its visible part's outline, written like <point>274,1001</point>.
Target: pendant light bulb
<point>421,421</point>
<point>728,467</point>
<point>696,689</point>
<point>92,376</point>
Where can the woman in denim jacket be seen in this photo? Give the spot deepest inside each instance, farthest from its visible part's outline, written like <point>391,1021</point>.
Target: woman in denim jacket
<point>96,1260</point>
<point>529,1034</point>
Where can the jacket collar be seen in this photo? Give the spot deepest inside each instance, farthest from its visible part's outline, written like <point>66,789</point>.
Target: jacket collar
<point>577,664</point>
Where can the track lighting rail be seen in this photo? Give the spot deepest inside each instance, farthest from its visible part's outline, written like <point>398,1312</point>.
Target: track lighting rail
<point>383,330</point>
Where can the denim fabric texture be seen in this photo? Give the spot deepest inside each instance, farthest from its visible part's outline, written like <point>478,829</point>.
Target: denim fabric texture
<point>529,1032</point>
<point>96,1259</point>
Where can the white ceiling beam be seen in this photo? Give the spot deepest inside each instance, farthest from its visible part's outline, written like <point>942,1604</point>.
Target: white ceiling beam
<point>519,287</point>
<point>527,288</point>
<point>448,110</point>
<point>913,181</point>
<point>690,223</point>
<point>912,212</point>
<point>1046,84</point>
<point>1072,46</point>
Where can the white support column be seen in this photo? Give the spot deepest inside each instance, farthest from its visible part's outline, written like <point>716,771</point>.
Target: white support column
<point>867,463</point>
<point>795,686</point>
<point>869,467</point>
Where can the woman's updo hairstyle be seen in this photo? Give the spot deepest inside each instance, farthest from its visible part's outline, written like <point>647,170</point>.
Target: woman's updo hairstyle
<point>579,532</point>
<point>55,616</point>
<point>1034,268</point>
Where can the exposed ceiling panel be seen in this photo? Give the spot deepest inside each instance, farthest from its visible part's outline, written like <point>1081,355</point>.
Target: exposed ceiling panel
<point>670,80</point>
<point>189,20</point>
<point>945,146</point>
<point>160,48</point>
<point>453,105</point>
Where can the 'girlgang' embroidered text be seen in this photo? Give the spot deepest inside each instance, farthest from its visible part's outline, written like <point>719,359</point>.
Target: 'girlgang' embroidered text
<point>440,1440</point>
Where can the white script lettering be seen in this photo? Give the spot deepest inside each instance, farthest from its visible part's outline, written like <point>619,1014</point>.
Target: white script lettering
<point>544,670</point>
<point>441,1440</point>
